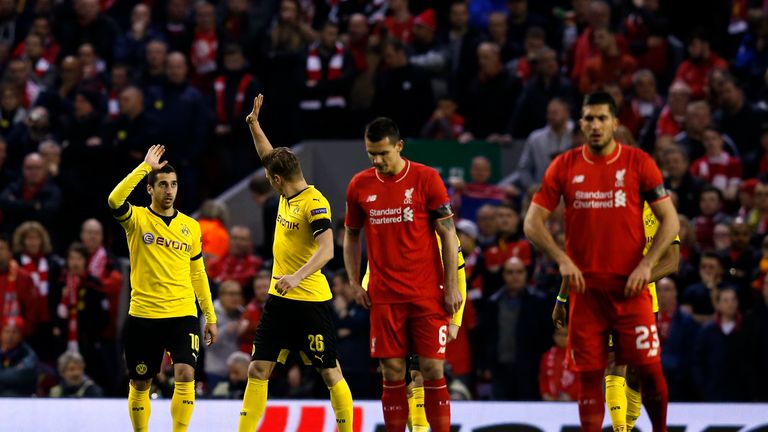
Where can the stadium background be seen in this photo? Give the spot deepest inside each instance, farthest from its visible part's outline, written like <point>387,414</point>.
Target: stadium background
<point>484,90</point>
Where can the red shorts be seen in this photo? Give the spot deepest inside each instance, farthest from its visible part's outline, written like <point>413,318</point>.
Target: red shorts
<point>401,329</point>
<point>597,314</point>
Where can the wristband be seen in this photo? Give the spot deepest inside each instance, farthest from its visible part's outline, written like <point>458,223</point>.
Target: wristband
<point>562,299</point>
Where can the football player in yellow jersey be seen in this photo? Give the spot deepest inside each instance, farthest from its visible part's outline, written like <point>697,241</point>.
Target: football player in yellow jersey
<point>167,274</point>
<point>622,396</point>
<point>417,417</point>
<point>298,314</point>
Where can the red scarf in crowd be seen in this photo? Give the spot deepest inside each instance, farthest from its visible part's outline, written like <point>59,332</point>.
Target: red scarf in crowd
<point>11,306</point>
<point>204,49</point>
<point>68,308</point>
<point>38,270</point>
<point>98,263</point>
<point>315,67</point>
<point>220,87</point>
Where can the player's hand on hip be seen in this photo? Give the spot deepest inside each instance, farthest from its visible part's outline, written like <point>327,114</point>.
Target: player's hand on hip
<point>452,300</point>
<point>254,115</point>
<point>453,332</point>
<point>361,296</point>
<point>210,333</point>
<point>573,275</point>
<point>153,156</point>
<point>286,283</point>
<point>638,280</point>
<point>558,316</point>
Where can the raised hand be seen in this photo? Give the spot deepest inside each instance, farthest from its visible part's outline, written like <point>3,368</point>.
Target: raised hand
<point>253,117</point>
<point>153,157</point>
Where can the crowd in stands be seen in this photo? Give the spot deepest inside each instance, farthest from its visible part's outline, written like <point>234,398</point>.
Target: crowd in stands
<point>87,85</point>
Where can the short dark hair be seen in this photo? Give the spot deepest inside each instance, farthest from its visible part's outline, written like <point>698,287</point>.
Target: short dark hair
<point>259,185</point>
<point>714,128</point>
<point>601,98</point>
<point>152,177</point>
<point>282,162</point>
<point>710,188</point>
<point>79,248</point>
<point>715,256</point>
<point>380,128</point>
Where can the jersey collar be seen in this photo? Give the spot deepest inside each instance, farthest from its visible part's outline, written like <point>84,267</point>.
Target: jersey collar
<point>297,193</point>
<point>397,177</point>
<point>166,219</point>
<point>607,159</point>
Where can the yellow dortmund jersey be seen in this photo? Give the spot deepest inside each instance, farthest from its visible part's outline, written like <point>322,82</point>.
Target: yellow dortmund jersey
<point>461,281</point>
<point>299,219</point>
<point>651,225</point>
<point>161,248</point>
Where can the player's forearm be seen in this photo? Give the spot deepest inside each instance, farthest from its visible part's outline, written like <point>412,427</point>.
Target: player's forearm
<point>259,139</point>
<point>352,254</point>
<point>202,290</point>
<point>668,264</point>
<point>461,282</point>
<point>542,239</point>
<point>669,227</point>
<point>565,289</point>
<point>120,193</point>
<point>450,259</point>
<point>322,255</point>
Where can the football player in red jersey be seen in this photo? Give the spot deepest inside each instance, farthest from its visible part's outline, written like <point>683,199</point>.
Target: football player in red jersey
<point>411,293</point>
<point>604,184</point>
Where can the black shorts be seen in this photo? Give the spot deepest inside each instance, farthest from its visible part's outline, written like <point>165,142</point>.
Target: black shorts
<point>294,325</point>
<point>147,339</point>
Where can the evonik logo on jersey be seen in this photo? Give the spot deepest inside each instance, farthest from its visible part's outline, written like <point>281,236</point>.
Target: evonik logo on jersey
<point>150,238</point>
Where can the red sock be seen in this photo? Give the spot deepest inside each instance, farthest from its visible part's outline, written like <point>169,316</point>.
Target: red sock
<point>394,402</point>
<point>655,394</point>
<point>591,406</point>
<point>437,404</point>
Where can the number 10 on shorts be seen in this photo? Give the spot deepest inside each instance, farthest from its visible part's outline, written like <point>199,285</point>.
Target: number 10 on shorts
<point>643,334</point>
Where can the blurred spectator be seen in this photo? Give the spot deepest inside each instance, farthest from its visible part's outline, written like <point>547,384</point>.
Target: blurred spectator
<point>742,122</point>
<point>461,42</point>
<point>609,65</point>
<point>213,227</point>
<point>34,52</point>
<point>711,206</point>
<point>19,75</point>
<point>131,47</point>
<point>364,50</point>
<point>403,91</point>
<point>740,261</point>
<point>18,362</point>
<point>469,197</point>
<point>701,60</point>
<point>229,308</point>
<point>59,100</point>
<point>152,72</point>
<point>252,313</point>
<point>234,91</point>
<point>672,116</point>
<point>746,197</point>
<point>178,26</point>
<point>646,104</point>
<point>12,114</point>
<point>399,22</point>
<point>468,232</point>
<point>34,197</point>
<point>535,40</point>
<point>699,299</point>
<point>237,377</point>
<point>510,244</point>
<point>717,167</point>
<point>74,382</point>
<point>427,51</point>
<point>8,171</point>
<point>757,218</point>
<point>556,381</point>
<point>205,47</point>
<point>266,198</point>
<point>239,263</point>
<point>102,265</point>
<point>487,225</point>
<point>756,333</point>
<point>498,33</point>
<point>82,315</point>
<point>678,179</point>
<point>722,239</point>
<point>330,71</point>
<point>598,16</point>
<point>94,67</point>
<point>677,333</point>
<point>490,97</point>
<point>647,30</point>
<point>543,145</point>
<point>50,151</point>
<point>20,297</point>
<point>88,25</point>
<point>751,58</point>
<point>445,123</point>
<point>131,132</point>
<point>352,324</point>
<point>37,128</point>
<point>517,328</point>
<point>720,364</point>
<point>546,84</point>
<point>181,110</point>
<point>520,20</point>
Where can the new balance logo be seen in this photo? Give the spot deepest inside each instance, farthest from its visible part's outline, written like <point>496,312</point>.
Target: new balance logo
<point>441,350</point>
<point>578,179</point>
<point>371,198</point>
<point>408,214</point>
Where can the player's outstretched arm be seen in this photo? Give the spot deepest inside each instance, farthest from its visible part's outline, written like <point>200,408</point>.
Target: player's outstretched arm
<point>322,255</point>
<point>259,137</point>
<point>668,264</point>
<point>669,227</point>
<point>119,195</point>
<point>352,257</point>
<point>536,231</point>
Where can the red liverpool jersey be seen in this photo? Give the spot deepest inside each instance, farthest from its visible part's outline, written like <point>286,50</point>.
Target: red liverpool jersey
<point>603,209</point>
<point>395,212</point>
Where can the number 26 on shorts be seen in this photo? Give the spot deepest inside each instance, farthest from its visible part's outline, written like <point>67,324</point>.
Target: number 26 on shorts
<point>642,343</point>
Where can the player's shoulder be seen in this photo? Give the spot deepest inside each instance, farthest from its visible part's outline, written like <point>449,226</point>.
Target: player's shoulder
<point>313,193</point>
<point>421,169</point>
<point>366,174</point>
<point>634,152</point>
<point>188,220</point>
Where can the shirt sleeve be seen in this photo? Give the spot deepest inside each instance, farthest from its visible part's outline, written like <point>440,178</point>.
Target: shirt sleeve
<point>549,194</point>
<point>318,214</point>
<point>651,182</point>
<point>355,217</point>
<point>197,246</point>
<point>121,209</point>
<point>437,194</point>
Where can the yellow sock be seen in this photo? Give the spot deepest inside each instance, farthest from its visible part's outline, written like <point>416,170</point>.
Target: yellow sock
<point>341,401</point>
<point>182,405</point>
<point>138,408</point>
<point>616,399</point>
<point>254,404</point>
<point>411,409</point>
<point>417,412</point>
<point>634,401</point>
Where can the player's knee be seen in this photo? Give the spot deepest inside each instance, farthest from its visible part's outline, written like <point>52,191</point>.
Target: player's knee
<point>183,372</point>
<point>431,369</point>
<point>616,370</point>
<point>259,370</point>
<point>331,375</point>
<point>393,369</point>
<point>141,385</point>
